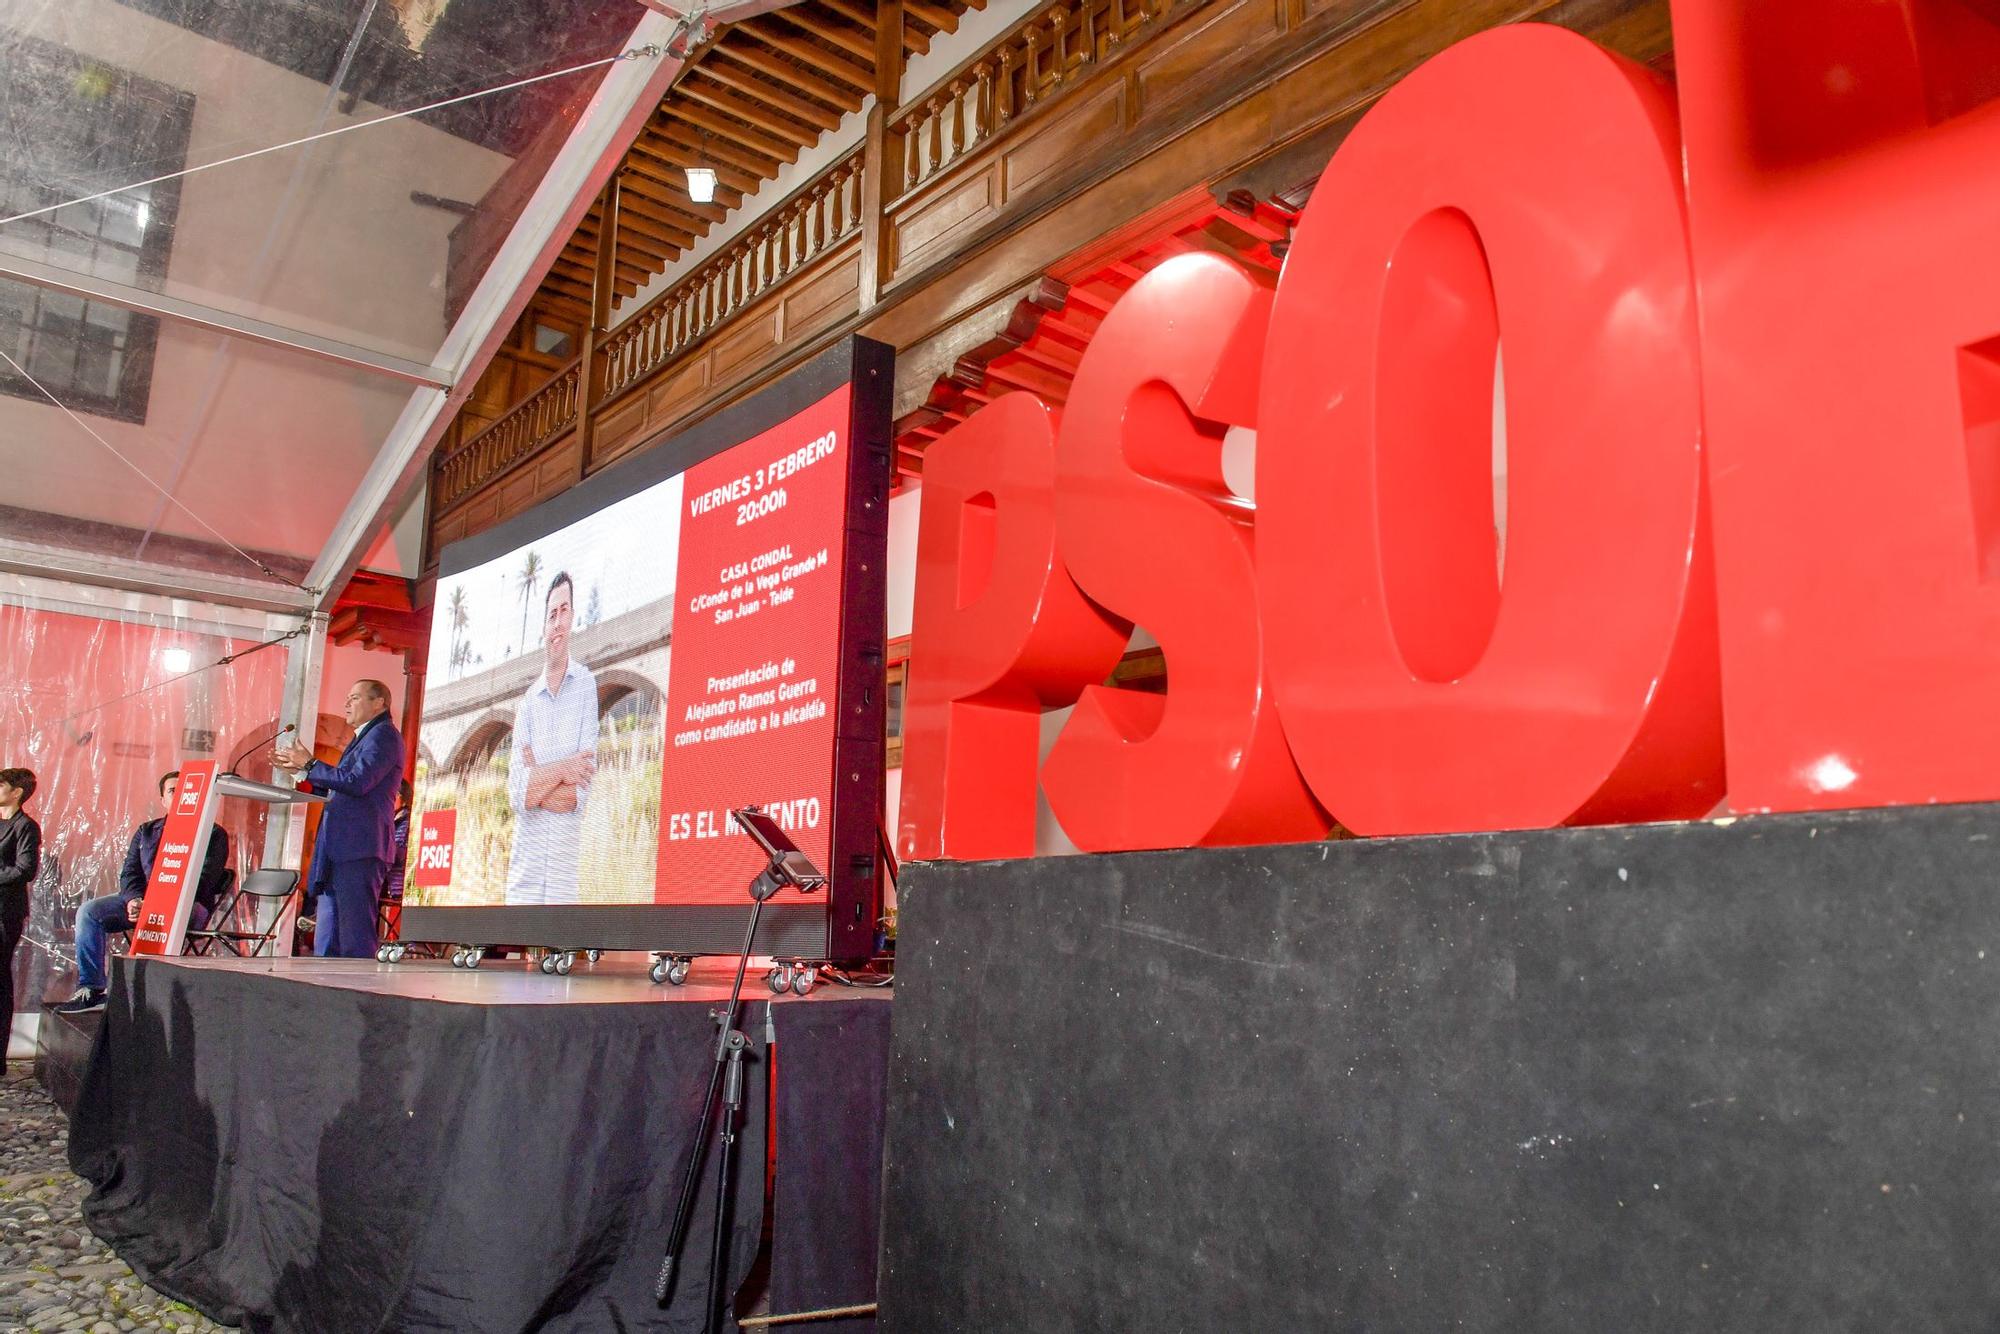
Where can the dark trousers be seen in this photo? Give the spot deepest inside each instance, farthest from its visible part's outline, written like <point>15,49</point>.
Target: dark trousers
<point>13,920</point>
<point>344,909</point>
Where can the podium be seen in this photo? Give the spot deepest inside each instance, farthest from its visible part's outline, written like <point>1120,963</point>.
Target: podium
<point>162,925</point>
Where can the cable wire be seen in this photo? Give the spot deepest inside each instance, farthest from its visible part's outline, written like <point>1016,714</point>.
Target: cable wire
<point>222,661</point>
<point>144,476</point>
<point>635,53</point>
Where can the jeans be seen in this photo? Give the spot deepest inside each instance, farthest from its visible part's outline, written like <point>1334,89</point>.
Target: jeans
<point>98,918</point>
<point>13,919</point>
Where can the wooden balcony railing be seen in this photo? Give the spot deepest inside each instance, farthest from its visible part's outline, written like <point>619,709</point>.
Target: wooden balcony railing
<point>1030,68</point>
<point>540,418</point>
<point>1031,65</point>
<point>820,214</point>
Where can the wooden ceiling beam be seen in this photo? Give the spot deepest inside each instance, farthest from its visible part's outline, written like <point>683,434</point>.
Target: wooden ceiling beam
<point>798,108</point>
<point>779,151</point>
<point>551,302</point>
<point>677,157</point>
<point>657,219</point>
<point>580,273</point>
<point>656,203</point>
<point>759,114</point>
<point>914,39</point>
<point>727,141</point>
<point>669,185</point>
<point>637,234</point>
<point>656,252</point>
<point>833,34</point>
<point>818,59</point>
<point>790,75</point>
<point>938,16</point>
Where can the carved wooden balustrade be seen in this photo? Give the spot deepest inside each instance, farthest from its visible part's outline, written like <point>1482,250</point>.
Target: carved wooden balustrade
<point>1032,65</point>
<point>1077,91</point>
<point>540,418</point>
<point>825,211</point>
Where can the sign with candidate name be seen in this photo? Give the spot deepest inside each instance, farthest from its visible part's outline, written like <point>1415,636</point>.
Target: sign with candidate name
<point>177,865</point>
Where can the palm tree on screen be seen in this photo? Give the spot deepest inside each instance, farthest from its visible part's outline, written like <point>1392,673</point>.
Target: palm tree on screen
<point>460,618</point>
<point>531,579</point>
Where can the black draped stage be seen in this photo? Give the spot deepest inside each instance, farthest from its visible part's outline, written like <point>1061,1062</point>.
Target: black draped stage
<point>1665,1078</point>
<point>330,1145</point>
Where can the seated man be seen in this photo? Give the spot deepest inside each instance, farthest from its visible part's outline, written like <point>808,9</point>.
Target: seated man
<point>117,912</point>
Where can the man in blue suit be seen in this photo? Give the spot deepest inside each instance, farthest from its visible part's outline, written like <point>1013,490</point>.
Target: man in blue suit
<point>357,829</point>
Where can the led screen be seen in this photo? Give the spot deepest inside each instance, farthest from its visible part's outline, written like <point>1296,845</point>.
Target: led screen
<point>610,675</point>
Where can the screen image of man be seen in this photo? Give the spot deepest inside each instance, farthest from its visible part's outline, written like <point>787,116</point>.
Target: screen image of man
<point>356,839</point>
<point>98,918</point>
<point>553,759</point>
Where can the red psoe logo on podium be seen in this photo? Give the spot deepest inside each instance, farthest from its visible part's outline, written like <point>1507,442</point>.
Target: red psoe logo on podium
<point>437,834</point>
<point>177,865</point>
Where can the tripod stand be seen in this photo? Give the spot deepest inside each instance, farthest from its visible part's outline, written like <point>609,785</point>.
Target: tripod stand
<point>787,866</point>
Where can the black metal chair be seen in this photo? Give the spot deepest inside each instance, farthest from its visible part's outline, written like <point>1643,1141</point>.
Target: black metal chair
<point>267,888</point>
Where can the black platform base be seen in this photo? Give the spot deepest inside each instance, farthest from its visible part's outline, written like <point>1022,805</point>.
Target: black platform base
<point>330,1145</point>
<point>1716,1077</point>
<point>62,1053</point>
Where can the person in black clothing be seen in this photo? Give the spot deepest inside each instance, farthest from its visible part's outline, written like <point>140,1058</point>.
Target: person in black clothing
<point>98,918</point>
<point>20,863</point>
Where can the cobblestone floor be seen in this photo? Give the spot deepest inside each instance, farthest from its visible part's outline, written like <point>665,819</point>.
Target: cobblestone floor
<point>54,1275</point>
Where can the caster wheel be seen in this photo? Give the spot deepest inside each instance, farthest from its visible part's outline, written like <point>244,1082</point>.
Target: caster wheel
<point>678,973</point>
<point>802,981</point>
<point>397,952</point>
<point>658,972</point>
<point>778,979</point>
<point>473,956</point>
<point>564,962</point>
<point>458,958</point>
<point>381,954</point>
<point>548,963</point>
<point>592,956</point>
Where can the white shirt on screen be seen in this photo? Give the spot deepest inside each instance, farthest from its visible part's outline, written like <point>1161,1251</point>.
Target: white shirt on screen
<point>555,725</point>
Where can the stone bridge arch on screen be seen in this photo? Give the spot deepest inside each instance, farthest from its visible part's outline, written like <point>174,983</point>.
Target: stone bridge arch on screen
<point>464,720</point>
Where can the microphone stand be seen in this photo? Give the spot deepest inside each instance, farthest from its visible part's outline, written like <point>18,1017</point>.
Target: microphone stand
<point>787,866</point>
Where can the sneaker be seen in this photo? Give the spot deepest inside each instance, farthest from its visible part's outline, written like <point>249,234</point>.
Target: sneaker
<point>84,1001</point>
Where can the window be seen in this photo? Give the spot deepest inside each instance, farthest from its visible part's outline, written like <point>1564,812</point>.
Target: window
<point>892,702</point>
<point>66,110</point>
<point>552,341</point>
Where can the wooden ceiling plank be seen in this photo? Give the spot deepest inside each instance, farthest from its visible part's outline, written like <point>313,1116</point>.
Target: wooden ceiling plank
<point>914,39</point>
<point>659,219</point>
<point>832,33</point>
<point>798,108</point>
<point>640,234</point>
<point>817,58</point>
<point>661,203</point>
<point>640,242</point>
<point>754,142</point>
<point>668,185</point>
<point>758,114</point>
<point>676,158</point>
<point>761,60</point>
<point>938,16</point>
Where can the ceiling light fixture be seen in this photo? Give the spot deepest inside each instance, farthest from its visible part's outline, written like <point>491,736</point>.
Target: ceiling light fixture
<point>701,184</point>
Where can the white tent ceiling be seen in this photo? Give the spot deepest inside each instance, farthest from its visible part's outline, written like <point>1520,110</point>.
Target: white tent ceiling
<point>247,360</point>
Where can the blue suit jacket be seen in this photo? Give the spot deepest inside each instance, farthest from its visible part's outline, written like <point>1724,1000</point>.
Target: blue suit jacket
<point>360,815</point>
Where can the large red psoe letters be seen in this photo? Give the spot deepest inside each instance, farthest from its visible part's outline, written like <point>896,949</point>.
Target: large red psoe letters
<point>1012,635</point>
<point>1421,691</point>
<point>1840,159</point>
<point>1141,439</point>
<point>1776,331</point>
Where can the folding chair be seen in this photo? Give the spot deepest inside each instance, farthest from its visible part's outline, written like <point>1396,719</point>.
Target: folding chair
<point>268,888</point>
